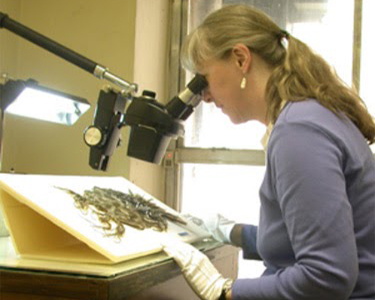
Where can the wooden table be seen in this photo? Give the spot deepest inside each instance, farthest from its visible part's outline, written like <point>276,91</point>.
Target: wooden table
<point>155,277</point>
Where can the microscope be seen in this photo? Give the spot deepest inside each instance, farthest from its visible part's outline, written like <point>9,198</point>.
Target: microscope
<point>152,124</point>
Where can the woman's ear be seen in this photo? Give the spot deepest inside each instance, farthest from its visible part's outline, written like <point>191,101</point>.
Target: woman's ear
<point>242,56</point>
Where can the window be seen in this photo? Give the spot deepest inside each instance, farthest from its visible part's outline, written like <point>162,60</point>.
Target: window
<point>222,165</point>
<point>231,190</point>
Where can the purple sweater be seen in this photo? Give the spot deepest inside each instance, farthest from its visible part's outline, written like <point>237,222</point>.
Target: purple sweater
<point>316,233</point>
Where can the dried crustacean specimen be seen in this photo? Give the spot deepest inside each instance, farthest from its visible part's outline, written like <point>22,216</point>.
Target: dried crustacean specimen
<point>115,209</point>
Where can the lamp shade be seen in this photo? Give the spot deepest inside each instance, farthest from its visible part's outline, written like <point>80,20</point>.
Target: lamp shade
<point>29,99</point>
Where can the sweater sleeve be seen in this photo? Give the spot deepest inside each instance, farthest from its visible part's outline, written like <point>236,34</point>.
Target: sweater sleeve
<point>306,165</point>
<point>249,241</point>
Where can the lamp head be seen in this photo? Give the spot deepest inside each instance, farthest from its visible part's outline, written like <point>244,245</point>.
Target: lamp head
<point>29,99</point>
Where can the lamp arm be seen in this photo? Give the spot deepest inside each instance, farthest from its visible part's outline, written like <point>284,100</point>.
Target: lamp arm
<point>65,53</point>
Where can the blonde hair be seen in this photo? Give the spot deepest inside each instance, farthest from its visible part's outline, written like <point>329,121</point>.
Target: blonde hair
<point>298,73</point>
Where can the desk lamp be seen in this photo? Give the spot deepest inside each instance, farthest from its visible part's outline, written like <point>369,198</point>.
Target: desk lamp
<point>28,99</point>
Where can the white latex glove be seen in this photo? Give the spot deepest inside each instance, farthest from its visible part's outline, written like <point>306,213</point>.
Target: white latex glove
<point>197,269</point>
<point>216,224</point>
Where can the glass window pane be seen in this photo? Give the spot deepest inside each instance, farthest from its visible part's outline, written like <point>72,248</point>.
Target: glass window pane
<point>325,25</point>
<point>208,127</point>
<point>230,190</point>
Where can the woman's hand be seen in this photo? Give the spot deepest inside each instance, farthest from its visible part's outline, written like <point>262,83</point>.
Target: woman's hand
<point>197,269</point>
<point>217,225</point>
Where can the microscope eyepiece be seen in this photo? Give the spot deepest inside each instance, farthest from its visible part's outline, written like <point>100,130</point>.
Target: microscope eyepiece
<point>181,106</point>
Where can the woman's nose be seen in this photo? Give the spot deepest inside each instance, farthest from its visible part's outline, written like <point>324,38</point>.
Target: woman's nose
<point>207,97</point>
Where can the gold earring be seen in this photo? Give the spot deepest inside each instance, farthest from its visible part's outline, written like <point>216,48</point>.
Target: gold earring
<point>243,83</point>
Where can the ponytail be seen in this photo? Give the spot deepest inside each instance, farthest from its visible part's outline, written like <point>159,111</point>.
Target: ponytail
<point>304,74</point>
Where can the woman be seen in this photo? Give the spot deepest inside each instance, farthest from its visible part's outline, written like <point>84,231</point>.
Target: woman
<point>316,233</point>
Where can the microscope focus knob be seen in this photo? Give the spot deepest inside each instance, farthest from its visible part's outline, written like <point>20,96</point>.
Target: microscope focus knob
<point>93,136</point>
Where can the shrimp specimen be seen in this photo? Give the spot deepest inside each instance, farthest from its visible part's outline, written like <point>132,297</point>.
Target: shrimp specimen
<point>115,209</point>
